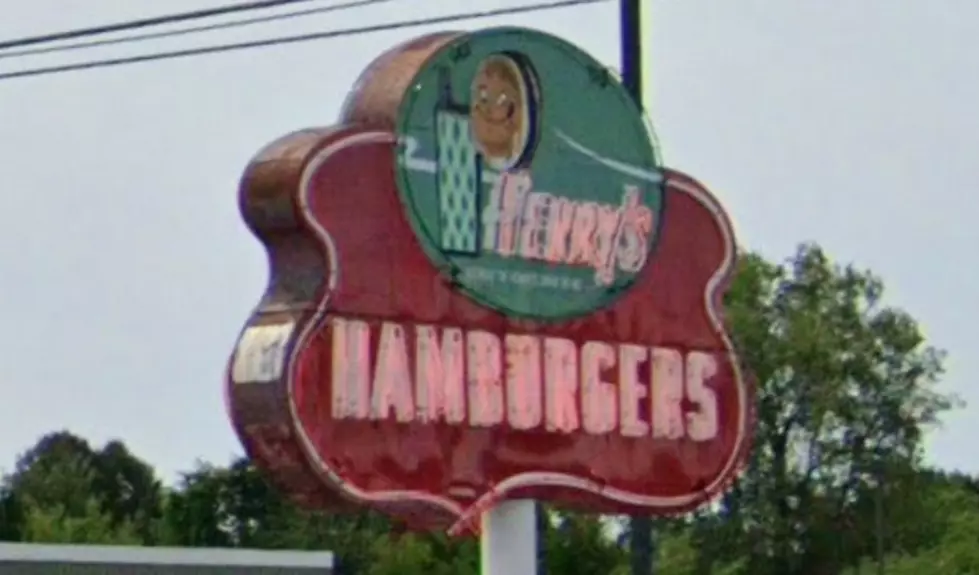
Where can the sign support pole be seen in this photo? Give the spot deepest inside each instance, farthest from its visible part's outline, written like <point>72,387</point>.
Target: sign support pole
<point>508,539</point>
<point>631,54</point>
<point>630,22</point>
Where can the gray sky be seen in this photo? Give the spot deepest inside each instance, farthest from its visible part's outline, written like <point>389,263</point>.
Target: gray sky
<point>127,273</point>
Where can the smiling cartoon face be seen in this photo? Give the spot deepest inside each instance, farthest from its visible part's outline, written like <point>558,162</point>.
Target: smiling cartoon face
<point>498,111</point>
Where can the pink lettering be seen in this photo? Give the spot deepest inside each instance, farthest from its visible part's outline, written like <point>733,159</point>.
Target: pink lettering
<point>585,219</point>
<point>701,423</point>
<point>518,221</point>
<point>561,384</point>
<point>523,379</point>
<point>666,385</point>
<point>515,187</point>
<point>351,369</point>
<point>533,227</point>
<point>439,375</point>
<point>597,396</point>
<point>633,248</point>
<point>392,380</point>
<point>483,352</point>
<point>559,222</point>
<point>606,238</point>
<point>631,392</point>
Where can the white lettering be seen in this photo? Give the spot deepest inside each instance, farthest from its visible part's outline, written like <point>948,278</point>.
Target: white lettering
<point>260,353</point>
<point>523,391</point>
<point>631,392</point>
<point>483,353</point>
<point>392,378</point>
<point>351,368</point>
<point>597,396</point>
<point>702,423</point>
<point>439,375</point>
<point>430,374</point>
<point>666,386</point>
<point>561,384</point>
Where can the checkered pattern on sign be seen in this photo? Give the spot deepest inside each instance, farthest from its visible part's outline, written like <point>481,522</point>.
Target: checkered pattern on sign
<point>458,188</point>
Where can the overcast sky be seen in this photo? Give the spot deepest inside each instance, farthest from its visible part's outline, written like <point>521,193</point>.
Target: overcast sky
<point>125,272</point>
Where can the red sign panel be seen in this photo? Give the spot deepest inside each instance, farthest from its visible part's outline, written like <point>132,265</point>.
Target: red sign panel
<point>368,376</point>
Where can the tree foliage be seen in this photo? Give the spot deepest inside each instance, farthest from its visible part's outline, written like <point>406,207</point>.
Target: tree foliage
<point>847,388</point>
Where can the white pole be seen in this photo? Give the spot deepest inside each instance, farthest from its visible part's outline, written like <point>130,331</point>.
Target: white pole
<point>508,540</point>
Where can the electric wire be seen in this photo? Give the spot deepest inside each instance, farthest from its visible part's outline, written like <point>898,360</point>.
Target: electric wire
<point>146,22</point>
<point>282,40</point>
<point>185,31</point>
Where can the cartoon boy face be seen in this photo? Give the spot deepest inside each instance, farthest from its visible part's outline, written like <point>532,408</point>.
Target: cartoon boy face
<point>497,110</point>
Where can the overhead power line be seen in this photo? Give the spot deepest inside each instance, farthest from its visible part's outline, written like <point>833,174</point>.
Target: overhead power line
<point>146,22</point>
<point>185,31</point>
<point>296,39</point>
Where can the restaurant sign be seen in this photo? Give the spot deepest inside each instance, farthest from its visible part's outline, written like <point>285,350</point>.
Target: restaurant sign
<point>484,286</point>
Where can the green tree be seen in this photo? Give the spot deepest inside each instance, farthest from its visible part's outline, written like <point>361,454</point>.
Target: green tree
<point>423,554</point>
<point>95,526</point>
<point>677,554</point>
<point>196,513</point>
<point>11,515</point>
<point>405,555</point>
<point>846,389</point>
<point>60,479</point>
<point>236,507</point>
<point>932,527</point>
<point>583,544</point>
<point>128,490</point>
<point>57,471</point>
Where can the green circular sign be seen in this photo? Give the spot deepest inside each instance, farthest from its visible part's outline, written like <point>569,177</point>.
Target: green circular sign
<point>528,173</point>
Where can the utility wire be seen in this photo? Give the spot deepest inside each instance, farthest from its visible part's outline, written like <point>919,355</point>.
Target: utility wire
<point>145,22</point>
<point>295,39</point>
<point>184,31</point>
